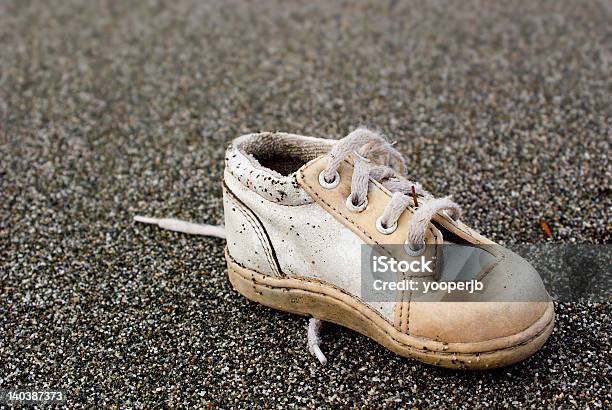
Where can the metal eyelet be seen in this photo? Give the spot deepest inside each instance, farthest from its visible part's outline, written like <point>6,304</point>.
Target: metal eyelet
<point>356,208</point>
<point>329,185</point>
<point>385,230</point>
<point>414,249</point>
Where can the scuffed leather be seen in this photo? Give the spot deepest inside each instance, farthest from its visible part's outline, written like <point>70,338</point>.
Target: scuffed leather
<point>242,227</point>
<point>307,240</point>
<point>363,223</point>
<point>312,235</point>
<point>514,298</point>
<point>265,182</point>
<point>515,287</point>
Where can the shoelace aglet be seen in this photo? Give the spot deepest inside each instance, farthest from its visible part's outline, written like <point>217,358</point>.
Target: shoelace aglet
<point>314,340</point>
<point>146,220</point>
<point>319,354</point>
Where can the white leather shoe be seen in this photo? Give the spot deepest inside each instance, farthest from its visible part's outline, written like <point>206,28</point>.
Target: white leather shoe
<point>294,243</point>
<point>298,214</point>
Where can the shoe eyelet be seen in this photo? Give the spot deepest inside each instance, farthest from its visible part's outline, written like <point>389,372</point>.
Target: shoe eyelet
<point>385,230</point>
<point>356,208</point>
<point>414,249</point>
<point>329,185</point>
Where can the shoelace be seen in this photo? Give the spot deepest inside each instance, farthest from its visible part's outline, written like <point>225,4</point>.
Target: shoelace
<point>364,144</point>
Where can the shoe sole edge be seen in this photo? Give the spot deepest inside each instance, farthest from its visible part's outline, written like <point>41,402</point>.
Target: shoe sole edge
<point>331,304</point>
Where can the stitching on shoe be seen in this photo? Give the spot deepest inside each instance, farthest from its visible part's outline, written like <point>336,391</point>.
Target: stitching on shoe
<point>255,226</point>
<point>303,279</point>
<point>257,233</point>
<point>265,237</point>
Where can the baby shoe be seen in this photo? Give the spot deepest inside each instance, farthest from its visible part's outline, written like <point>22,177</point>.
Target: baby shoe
<point>303,217</point>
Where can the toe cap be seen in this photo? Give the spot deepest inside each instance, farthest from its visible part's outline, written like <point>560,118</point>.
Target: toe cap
<point>513,298</point>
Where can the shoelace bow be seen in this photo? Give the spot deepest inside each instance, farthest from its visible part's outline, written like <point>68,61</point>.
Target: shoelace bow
<point>364,144</point>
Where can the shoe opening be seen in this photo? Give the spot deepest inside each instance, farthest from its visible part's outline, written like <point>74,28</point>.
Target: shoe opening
<point>283,153</point>
<point>451,237</point>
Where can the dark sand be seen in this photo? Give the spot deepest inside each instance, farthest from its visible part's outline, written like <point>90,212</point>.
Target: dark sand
<point>116,108</point>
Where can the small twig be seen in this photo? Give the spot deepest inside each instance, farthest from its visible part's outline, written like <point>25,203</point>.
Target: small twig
<point>546,228</point>
<point>414,197</point>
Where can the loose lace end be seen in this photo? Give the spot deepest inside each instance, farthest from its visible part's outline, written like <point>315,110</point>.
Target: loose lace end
<point>314,340</point>
<point>176,225</point>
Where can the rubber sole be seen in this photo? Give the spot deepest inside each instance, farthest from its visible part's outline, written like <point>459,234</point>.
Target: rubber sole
<point>308,297</point>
